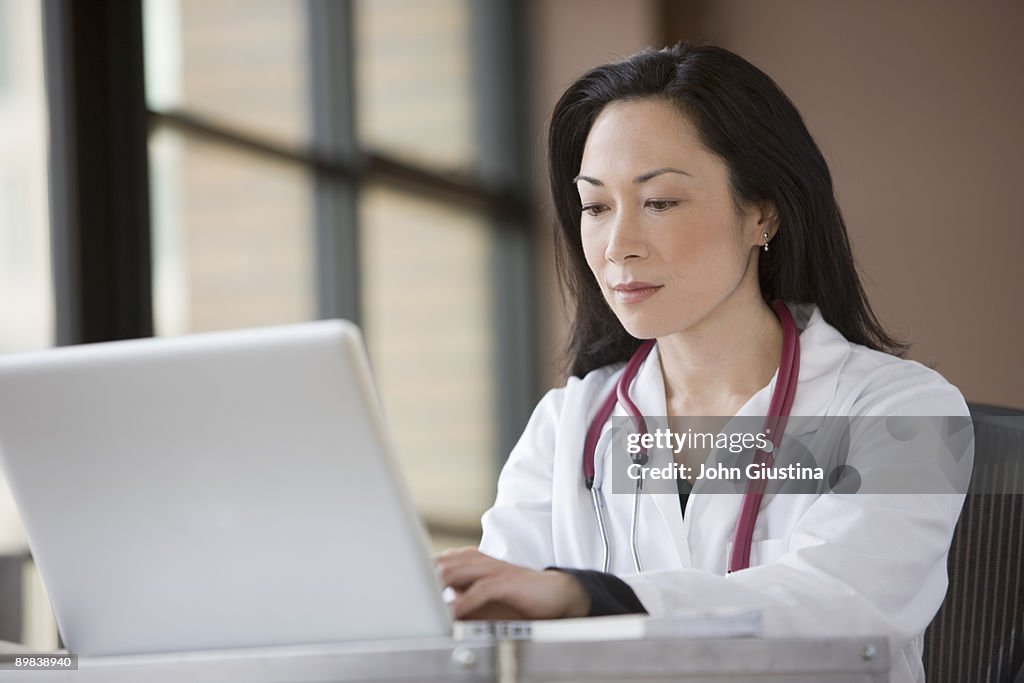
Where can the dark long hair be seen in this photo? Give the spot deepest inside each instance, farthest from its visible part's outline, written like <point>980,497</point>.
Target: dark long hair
<point>742,116</point>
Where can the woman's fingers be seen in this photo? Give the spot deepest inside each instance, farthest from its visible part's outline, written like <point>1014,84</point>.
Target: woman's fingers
<point>484,597</point>
<point>461,568</point>
<point>487,588</point>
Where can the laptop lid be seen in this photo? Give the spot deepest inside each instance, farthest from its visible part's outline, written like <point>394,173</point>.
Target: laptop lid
<point>218,490</point>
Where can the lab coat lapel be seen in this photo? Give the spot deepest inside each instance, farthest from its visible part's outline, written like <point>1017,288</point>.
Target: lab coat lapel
<point>648,393</point>
<point>823,351</point>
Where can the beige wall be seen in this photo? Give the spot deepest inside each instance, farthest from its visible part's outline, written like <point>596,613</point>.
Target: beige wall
<point>917,108</point>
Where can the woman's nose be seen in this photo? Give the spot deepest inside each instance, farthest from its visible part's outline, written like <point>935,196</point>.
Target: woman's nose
<point>625,241</point>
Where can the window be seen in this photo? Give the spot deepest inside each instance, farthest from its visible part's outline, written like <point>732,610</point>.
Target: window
<point>26,298</point>
<point>330,159</point>
<point>26,293</point>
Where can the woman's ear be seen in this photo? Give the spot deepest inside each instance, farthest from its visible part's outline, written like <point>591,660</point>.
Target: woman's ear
<point>768,218</point>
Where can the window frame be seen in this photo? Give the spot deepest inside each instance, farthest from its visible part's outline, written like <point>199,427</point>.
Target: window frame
<point>99,178</point>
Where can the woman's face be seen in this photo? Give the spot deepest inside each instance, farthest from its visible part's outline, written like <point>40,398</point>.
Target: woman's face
<point>659,227</point>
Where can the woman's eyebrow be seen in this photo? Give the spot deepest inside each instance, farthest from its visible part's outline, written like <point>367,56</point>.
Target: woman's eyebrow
<point>642,178</point>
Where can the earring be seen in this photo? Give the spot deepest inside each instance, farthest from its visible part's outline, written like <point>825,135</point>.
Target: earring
<point>765,241</point>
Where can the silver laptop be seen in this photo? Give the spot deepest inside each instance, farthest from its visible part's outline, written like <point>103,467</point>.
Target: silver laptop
<point>219,490</point>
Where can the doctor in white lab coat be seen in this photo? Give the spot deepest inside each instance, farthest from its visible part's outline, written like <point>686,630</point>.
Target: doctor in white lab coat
<point>689,194</point>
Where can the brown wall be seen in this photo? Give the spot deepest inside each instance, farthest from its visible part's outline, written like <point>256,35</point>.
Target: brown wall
<point>917,107</point>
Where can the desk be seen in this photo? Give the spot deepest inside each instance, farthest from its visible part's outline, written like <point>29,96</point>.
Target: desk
<point>737,660</point>
<point>741,660</point>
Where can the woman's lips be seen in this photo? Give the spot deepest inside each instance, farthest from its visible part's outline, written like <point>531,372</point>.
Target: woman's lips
<point>634,292</point>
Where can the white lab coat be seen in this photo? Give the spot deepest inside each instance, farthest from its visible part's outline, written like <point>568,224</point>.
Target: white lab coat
<point>833,564</point>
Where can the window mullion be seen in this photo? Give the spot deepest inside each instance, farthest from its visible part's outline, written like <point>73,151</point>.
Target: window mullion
<point>332,90</point>
<point>99,176</point>
<point>499,61</point>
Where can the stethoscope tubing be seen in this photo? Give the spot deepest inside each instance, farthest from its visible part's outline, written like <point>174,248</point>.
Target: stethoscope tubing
<point>774,426</point>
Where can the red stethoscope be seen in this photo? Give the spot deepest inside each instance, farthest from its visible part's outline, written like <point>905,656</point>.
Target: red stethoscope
<point>774,425</point>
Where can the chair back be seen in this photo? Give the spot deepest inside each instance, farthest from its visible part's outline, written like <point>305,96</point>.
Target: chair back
<point>978,633</point>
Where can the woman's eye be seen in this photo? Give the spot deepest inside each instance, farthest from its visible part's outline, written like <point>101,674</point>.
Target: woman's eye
<point>661,204</point>
<point>593,209</point>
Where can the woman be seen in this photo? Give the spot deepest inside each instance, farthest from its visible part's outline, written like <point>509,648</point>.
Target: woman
<point>690,197</point>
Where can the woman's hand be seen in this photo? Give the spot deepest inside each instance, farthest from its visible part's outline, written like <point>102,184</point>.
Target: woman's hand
<point>486,588</point>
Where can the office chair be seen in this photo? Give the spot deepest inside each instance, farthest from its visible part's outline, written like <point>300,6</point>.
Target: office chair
<point>978,633</point>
